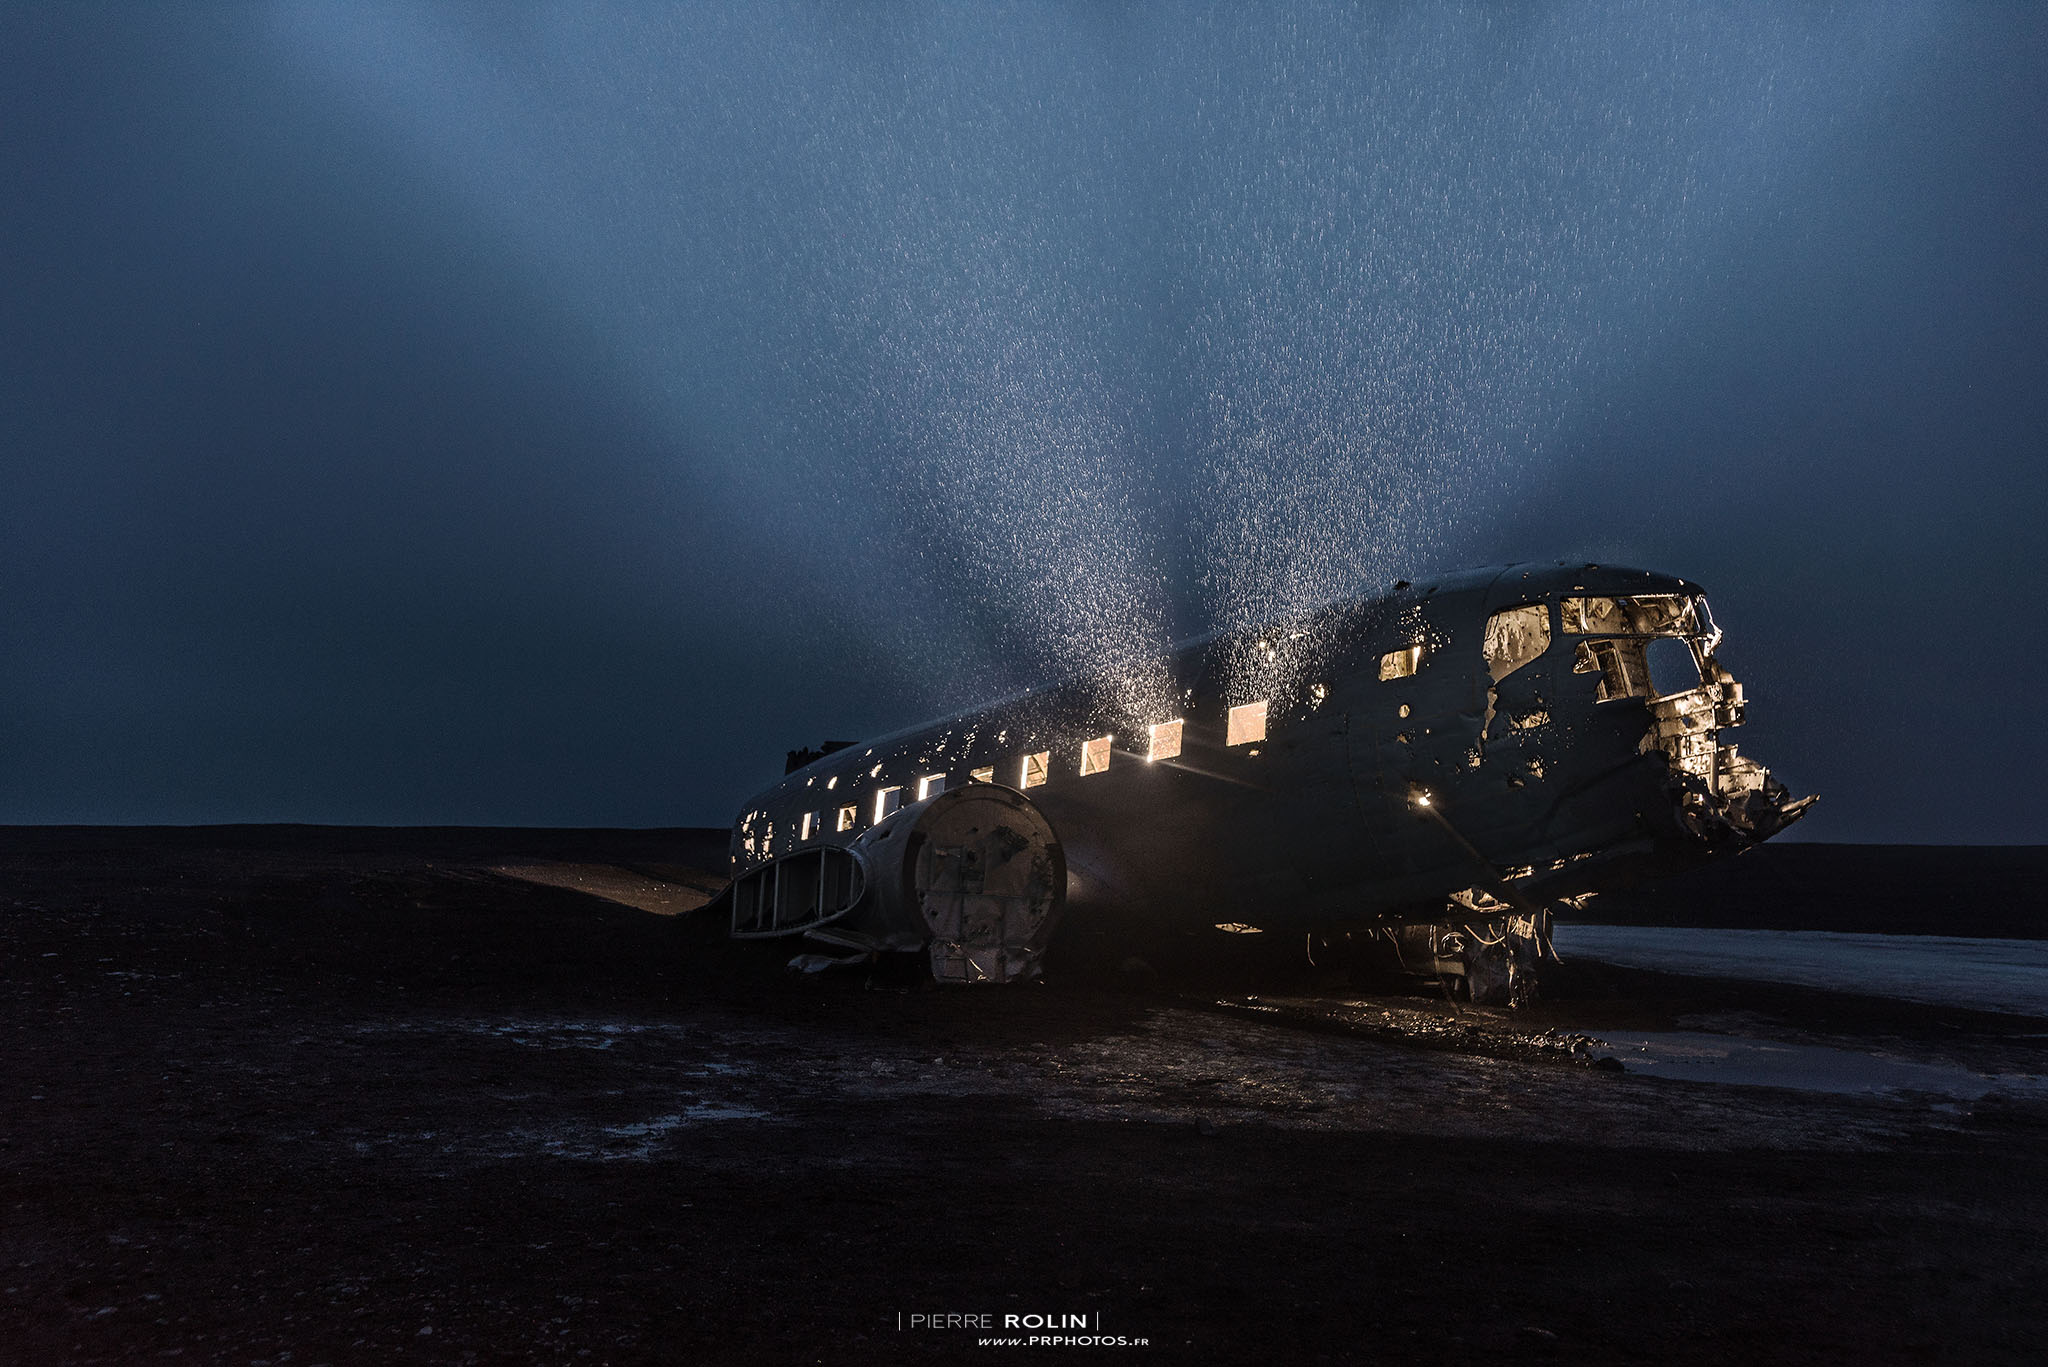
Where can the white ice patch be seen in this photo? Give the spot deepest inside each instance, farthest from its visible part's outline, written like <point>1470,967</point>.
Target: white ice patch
<point>1694,1057</point>
<point>1943,970</point>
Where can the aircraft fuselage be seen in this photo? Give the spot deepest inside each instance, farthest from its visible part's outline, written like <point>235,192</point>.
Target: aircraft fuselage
<point>1494,738</point>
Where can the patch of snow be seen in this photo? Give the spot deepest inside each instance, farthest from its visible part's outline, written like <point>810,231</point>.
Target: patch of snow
<point>1943,970</point>
<point>1696,1057</point>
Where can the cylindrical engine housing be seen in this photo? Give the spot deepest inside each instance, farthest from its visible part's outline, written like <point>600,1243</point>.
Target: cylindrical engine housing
<point>976,873</point>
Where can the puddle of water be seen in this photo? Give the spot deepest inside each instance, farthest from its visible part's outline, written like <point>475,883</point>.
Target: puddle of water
<point>1695,1057</point>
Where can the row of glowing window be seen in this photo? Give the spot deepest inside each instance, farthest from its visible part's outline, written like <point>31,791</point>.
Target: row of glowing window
<point>1244,726</point>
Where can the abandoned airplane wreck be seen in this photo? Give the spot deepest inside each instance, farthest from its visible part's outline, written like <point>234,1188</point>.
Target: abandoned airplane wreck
<point>1444,768</point>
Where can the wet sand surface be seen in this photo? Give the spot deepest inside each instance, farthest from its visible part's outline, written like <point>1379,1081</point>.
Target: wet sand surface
<point>310,1095</point>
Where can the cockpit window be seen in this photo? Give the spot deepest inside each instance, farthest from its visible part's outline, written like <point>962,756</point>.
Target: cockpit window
<point>1654,645</point>
<point>1514,637</point>
<point>1649,614</point>
<point>1672,666</point>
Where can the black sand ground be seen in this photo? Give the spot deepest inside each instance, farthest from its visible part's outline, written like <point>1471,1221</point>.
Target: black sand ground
<point>307,1095</point>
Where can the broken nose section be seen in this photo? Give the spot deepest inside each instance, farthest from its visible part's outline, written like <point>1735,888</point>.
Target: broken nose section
<point>1723,797</point>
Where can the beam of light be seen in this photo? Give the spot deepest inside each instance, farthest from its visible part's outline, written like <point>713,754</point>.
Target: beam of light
<point>1028,347</point>
<point>1439,226</point>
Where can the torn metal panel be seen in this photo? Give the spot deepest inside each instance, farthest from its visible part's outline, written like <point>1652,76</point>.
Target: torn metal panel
<point>1488,957</point>
<point>1515,637</point>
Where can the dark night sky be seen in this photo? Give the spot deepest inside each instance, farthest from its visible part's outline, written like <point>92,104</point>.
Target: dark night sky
<point>551,415</point>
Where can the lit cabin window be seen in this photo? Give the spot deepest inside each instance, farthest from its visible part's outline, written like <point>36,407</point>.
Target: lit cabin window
<point>1165,739</point>
<point>807,826</point>
<point>1400,664</point>
<point>930,785</point>
<point>1095,754</point>
<point>1246,724</point>
<point>987,775</point>
<point>847,816</point>
<point>887,800</point>
<point>1032,773</point>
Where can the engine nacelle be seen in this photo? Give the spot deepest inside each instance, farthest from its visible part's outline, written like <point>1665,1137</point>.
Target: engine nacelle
<point>974,877</point>
<point>975,874</point>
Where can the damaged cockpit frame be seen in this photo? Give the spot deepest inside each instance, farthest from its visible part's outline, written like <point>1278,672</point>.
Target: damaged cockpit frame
<point>1691,700</point>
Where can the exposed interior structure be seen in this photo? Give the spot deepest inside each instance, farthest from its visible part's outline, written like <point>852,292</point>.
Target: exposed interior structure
<point>1401,664</point>
<point>1660,648</point>
<point>1514,637</point>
